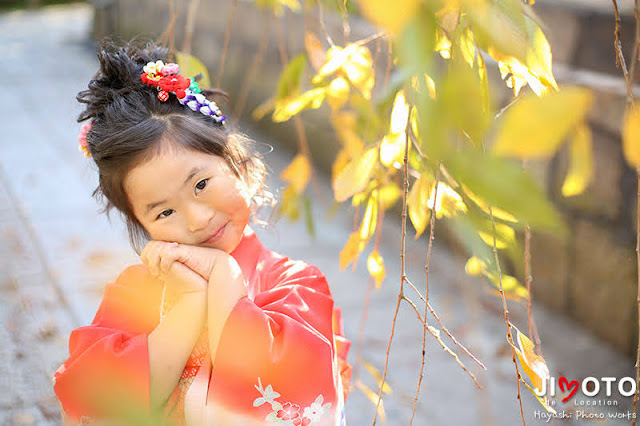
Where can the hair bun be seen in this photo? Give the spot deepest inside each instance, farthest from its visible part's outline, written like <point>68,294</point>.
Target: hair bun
<point>119,74</point>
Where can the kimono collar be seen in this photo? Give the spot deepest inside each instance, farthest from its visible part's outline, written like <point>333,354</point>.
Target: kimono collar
<point>248,252</point>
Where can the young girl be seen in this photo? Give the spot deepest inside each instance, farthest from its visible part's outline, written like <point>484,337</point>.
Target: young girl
<point>212,328</point>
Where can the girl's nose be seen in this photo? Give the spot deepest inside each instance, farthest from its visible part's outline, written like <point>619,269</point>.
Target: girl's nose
<point>198,217</point>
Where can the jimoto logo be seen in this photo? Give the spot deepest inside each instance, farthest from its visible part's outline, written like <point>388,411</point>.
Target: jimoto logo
<point>590,386</point>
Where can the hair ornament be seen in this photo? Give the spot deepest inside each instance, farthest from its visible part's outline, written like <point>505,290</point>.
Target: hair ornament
<point>82,139</point>
<point>166,79</point>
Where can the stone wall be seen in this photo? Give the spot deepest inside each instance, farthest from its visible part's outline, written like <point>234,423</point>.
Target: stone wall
<point>590,276</point>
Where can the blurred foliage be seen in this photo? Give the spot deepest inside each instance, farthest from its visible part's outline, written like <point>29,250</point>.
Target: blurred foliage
<point>23,4</point>
<point>436,114</point>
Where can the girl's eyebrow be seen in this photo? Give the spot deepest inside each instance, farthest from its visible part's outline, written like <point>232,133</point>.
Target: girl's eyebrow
<point>191,174</point>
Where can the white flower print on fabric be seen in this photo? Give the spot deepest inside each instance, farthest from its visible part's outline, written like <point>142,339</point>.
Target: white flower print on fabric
<point>291,414</point>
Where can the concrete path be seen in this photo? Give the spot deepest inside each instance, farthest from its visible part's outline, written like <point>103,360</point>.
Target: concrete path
<point>57,252</point>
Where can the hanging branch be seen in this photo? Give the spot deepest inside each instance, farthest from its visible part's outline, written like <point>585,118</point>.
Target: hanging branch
<point>168,35</point>
<point>346,28</point>
<point>225,47</point>
<point>506,311</point>
<point>620,62</point>
<point>190,26</point>
<point>253,70</point>
<point>303,146</point>
<point>426,299</point>
<point>436,334</point>
<point>402,271</point>
<point>324,28</point>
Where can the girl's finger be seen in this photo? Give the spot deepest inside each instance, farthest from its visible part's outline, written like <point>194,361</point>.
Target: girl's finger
<point>168,255</point>
<point>153,257</point>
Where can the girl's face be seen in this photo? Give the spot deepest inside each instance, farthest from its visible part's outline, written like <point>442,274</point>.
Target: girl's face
<point>190,197</point>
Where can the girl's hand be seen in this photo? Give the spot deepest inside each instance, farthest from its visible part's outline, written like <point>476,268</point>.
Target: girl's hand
<point>162,259</point>
<point>160,255</point>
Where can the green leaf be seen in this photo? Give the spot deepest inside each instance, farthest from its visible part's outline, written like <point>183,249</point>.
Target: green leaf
<point>289,83</point>
<point>505,185</point>
<point>308,217</point>
<point>190,66</point>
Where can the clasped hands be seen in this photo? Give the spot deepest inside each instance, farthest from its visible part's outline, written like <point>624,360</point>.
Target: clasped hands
<point>185,267</point>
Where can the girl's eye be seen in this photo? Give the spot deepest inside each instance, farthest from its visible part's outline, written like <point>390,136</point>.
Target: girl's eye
<point>202,184</point>
<point>165,213</point>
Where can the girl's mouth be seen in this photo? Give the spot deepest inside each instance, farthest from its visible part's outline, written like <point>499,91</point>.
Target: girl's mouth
<point>216,235</point>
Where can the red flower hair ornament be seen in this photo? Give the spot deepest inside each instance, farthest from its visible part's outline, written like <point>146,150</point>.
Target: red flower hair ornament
<point>166,79</point>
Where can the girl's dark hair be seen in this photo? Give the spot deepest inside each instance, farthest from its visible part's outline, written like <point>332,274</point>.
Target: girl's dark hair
<point>130,124</point>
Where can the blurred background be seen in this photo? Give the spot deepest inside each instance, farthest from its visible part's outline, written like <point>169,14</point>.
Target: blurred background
<point>58,251</point>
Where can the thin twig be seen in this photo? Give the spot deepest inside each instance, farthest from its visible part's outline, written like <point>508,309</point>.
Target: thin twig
<point>371,38</point>
<point>631,104</point>
<point>303,146</point>
<point>436,334</point>
<point>635,397</point>
<point>190,26</point>
<point>167,38</point>
<point>324,28</point>
<point>426,299</point>
<point>253,71</point>
<point>402,272</point>
<point>620,62</point>
<point>225,47</point>
<point>506,311</point>
<point>433,312</point>
<point>443,328</point>
<point>346,28</point>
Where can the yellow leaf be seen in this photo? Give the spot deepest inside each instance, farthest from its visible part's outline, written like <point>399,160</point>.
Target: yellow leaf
<point>467,46</point>
<point>392,149</point>
<point>344,124</point>
<point>262,109</point>
<point>355,176</point>
<point>443,44</point>
<point>370,219</point>
<point>376,375</point>
<point>539,58</point>
<point>290,205</point>
<point>389,194</point>
<point>337,92</point>
<point>513,288</point>
<point>288,107</point>
<point>505,236</point>
<point>417,203</point>
<point>533,364</point>
<point>316,53</point>
<point>475,266</point>
<point>297,173</point>
<point>534,127</point>
<point>393,15</point>
<point>354,62</point>
<point>375,265</point>
<point>399,113</point>
<point>359,70</point>
<point>278,5</point>
<point>341,161</point>
<point>373,398</point>
<point>190,66</point>
<point>448,203</point>
<point>581,163</point>
<point>351,250</point>
<point>631,137</point>
<point>497,213</point>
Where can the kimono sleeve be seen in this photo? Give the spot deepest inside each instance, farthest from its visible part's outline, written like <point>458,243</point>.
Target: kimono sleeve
<point>109,360</point>
<point>282,339</point>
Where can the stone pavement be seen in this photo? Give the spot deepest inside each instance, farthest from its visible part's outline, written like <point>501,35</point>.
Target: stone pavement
<point>57,252</point>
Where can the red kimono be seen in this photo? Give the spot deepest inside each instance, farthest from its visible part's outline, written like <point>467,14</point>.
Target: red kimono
<point>281,355</point>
